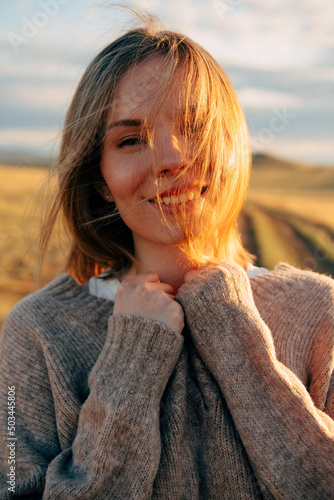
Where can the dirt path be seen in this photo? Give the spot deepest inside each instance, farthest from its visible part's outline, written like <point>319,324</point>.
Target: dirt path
<point>309,256</point>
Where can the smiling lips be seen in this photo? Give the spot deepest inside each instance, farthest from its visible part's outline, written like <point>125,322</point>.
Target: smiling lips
<point>176,199</point>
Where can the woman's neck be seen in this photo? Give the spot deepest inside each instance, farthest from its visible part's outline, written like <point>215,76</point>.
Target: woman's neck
<point>169,262</point>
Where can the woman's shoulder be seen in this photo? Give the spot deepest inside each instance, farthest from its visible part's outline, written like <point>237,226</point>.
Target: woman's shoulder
<point>63,298</point>
<point>289,282</point>
<point>297,302</point>
<point>293,296</point>
<point>62,288</point>
<point>298,307</point>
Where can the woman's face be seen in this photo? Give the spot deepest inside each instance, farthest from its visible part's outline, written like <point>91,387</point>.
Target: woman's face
<point>133,168</point>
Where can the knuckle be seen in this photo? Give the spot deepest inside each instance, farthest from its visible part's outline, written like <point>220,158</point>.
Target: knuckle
<point>119,292</point>
<point>152,276</point>
<point>123,285</point>
<point>142,288</point>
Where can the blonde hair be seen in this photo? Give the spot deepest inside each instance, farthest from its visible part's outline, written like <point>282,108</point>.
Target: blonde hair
<point>212,118</point>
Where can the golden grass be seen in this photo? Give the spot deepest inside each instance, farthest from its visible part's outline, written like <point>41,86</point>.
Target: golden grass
<point>20,220</point>
<point>317,206</point>
<point>272,245</point>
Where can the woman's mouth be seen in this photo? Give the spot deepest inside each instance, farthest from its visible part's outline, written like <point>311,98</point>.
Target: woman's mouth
<point>176,199</point>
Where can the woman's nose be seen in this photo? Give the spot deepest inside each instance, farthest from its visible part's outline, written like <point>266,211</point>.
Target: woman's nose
<point>169,155</point>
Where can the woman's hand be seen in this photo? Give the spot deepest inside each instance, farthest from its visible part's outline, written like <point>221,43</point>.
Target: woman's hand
<point>144,295</point>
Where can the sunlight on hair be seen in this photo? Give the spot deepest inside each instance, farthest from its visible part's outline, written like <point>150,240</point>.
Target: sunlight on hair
<point>216,153</point>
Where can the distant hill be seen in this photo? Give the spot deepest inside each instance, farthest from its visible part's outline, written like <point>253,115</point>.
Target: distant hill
<point>23,159</point>
<point>270,161</point>
<point>275,173</point>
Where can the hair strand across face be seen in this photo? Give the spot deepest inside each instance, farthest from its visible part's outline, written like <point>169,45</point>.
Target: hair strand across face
<point>215,143</point>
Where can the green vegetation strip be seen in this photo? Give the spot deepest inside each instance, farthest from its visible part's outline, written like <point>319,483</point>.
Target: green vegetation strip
<point>273,247</point>
<point>321,238</point>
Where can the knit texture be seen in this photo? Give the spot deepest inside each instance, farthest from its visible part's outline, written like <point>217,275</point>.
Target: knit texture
<point>239,406</point>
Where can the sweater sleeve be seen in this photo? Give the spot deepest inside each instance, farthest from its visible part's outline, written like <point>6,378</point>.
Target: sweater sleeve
<point>116,449</point>
<point>289,441</point>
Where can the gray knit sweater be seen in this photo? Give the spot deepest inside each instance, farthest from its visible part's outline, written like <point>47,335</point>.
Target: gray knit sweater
<point>239,406</point>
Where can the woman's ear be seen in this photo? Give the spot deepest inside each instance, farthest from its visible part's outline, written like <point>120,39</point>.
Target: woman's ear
<point>103,189</point>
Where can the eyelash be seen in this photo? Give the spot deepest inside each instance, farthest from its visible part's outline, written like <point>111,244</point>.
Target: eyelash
<point>131,141</point>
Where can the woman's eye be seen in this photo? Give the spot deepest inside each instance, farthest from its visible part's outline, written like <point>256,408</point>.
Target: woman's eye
<point>131,141</point>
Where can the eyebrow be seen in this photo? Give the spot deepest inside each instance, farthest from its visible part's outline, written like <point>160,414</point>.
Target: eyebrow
<point>124,123</point>
<point>138,123</point>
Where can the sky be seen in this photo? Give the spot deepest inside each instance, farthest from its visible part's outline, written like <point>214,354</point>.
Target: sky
<point>278,54</point>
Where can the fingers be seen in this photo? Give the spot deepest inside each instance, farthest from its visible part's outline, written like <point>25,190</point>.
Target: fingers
<point>190,275</point>
<point>149,276</point>
<point>151,280</point>
<point>162,287</point>
<point>143,295</point>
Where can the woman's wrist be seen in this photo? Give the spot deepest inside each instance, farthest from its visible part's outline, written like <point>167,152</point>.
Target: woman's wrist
<point>140,352</point>
<point>225,283</point>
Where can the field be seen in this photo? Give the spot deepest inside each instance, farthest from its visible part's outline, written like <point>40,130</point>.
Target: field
<point>288,217</point>
<point>21,190</point>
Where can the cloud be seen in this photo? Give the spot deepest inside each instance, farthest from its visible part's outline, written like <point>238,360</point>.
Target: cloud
<point>271,34</point>
<point>24,136</point>
<point>325,74</point>
<point>54,97</point>
<point>38,70</point>
<point>261,98</point>
<point>311,150</point>
<point>279,53</point>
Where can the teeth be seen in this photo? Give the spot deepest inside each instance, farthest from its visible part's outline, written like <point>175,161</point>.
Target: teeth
<point>175,200</point>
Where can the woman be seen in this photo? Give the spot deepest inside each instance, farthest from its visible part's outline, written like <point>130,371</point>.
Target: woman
<point>173,370</point>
